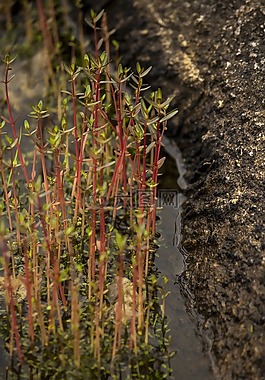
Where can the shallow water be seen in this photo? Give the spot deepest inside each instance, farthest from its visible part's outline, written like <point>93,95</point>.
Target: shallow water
<point>191,362</point>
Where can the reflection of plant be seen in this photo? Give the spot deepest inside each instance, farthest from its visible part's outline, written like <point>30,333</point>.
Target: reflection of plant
<point>74,234</point>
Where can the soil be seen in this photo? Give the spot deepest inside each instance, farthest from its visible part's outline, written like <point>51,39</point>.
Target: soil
<point>209,55</point>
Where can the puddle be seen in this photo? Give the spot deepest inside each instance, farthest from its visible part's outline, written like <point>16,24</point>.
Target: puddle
<point>190,361</point>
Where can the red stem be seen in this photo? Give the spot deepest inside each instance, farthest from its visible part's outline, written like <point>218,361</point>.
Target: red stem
<point>14,326</point>
<point>29,294</point>
<point>12,123</point>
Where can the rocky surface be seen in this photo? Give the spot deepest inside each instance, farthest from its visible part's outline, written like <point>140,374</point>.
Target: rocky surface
<point>209,54</point>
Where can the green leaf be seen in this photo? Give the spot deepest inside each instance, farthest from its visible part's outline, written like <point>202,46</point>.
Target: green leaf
<point>145,72</point>
<point>10,78</point>
<point>104,58</point>
<point>161,162</point>
<point>98,17</point>
<point>120,70</point>
<point>135,79</point>
<point>166,103</point>
<point>66,92</point>
<point>115,44</point>
<point>86,60</point>
<point>89,23</point>
<point>8,60</point>
<point>153,120</point>
<point>120,240</point>
<point>14,143</point>
<point>75,75</point>
<point>40,104</point>
<point>67,68</point>
<point>26,125</point>
<point>100,43</point>
<point>106,165</point>
<point>169,116</point>
<point>159,95</point>
<point>69,230</point>
<point>150,147</point>
<point>145,88</point>
<point>126,78</point>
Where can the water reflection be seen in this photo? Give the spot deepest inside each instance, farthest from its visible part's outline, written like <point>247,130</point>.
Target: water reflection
<point>190,361</point>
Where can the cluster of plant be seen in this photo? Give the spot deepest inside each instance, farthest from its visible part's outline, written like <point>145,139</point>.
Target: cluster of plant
<point>78,226</point>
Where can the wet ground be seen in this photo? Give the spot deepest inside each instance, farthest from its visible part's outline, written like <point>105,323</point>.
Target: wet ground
<point>191,361</point>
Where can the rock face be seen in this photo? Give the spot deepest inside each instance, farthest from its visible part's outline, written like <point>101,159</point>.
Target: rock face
<point>209,54</point>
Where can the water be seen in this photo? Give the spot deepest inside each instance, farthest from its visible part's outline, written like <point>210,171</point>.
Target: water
<point>190,361</point>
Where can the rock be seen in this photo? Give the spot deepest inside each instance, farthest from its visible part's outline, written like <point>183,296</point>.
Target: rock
<point>127,299</point>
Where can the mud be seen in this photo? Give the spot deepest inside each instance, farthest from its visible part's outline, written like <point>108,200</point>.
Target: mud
<point>210,56</point>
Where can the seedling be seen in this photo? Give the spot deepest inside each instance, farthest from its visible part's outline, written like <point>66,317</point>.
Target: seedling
<point>77,230</point>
